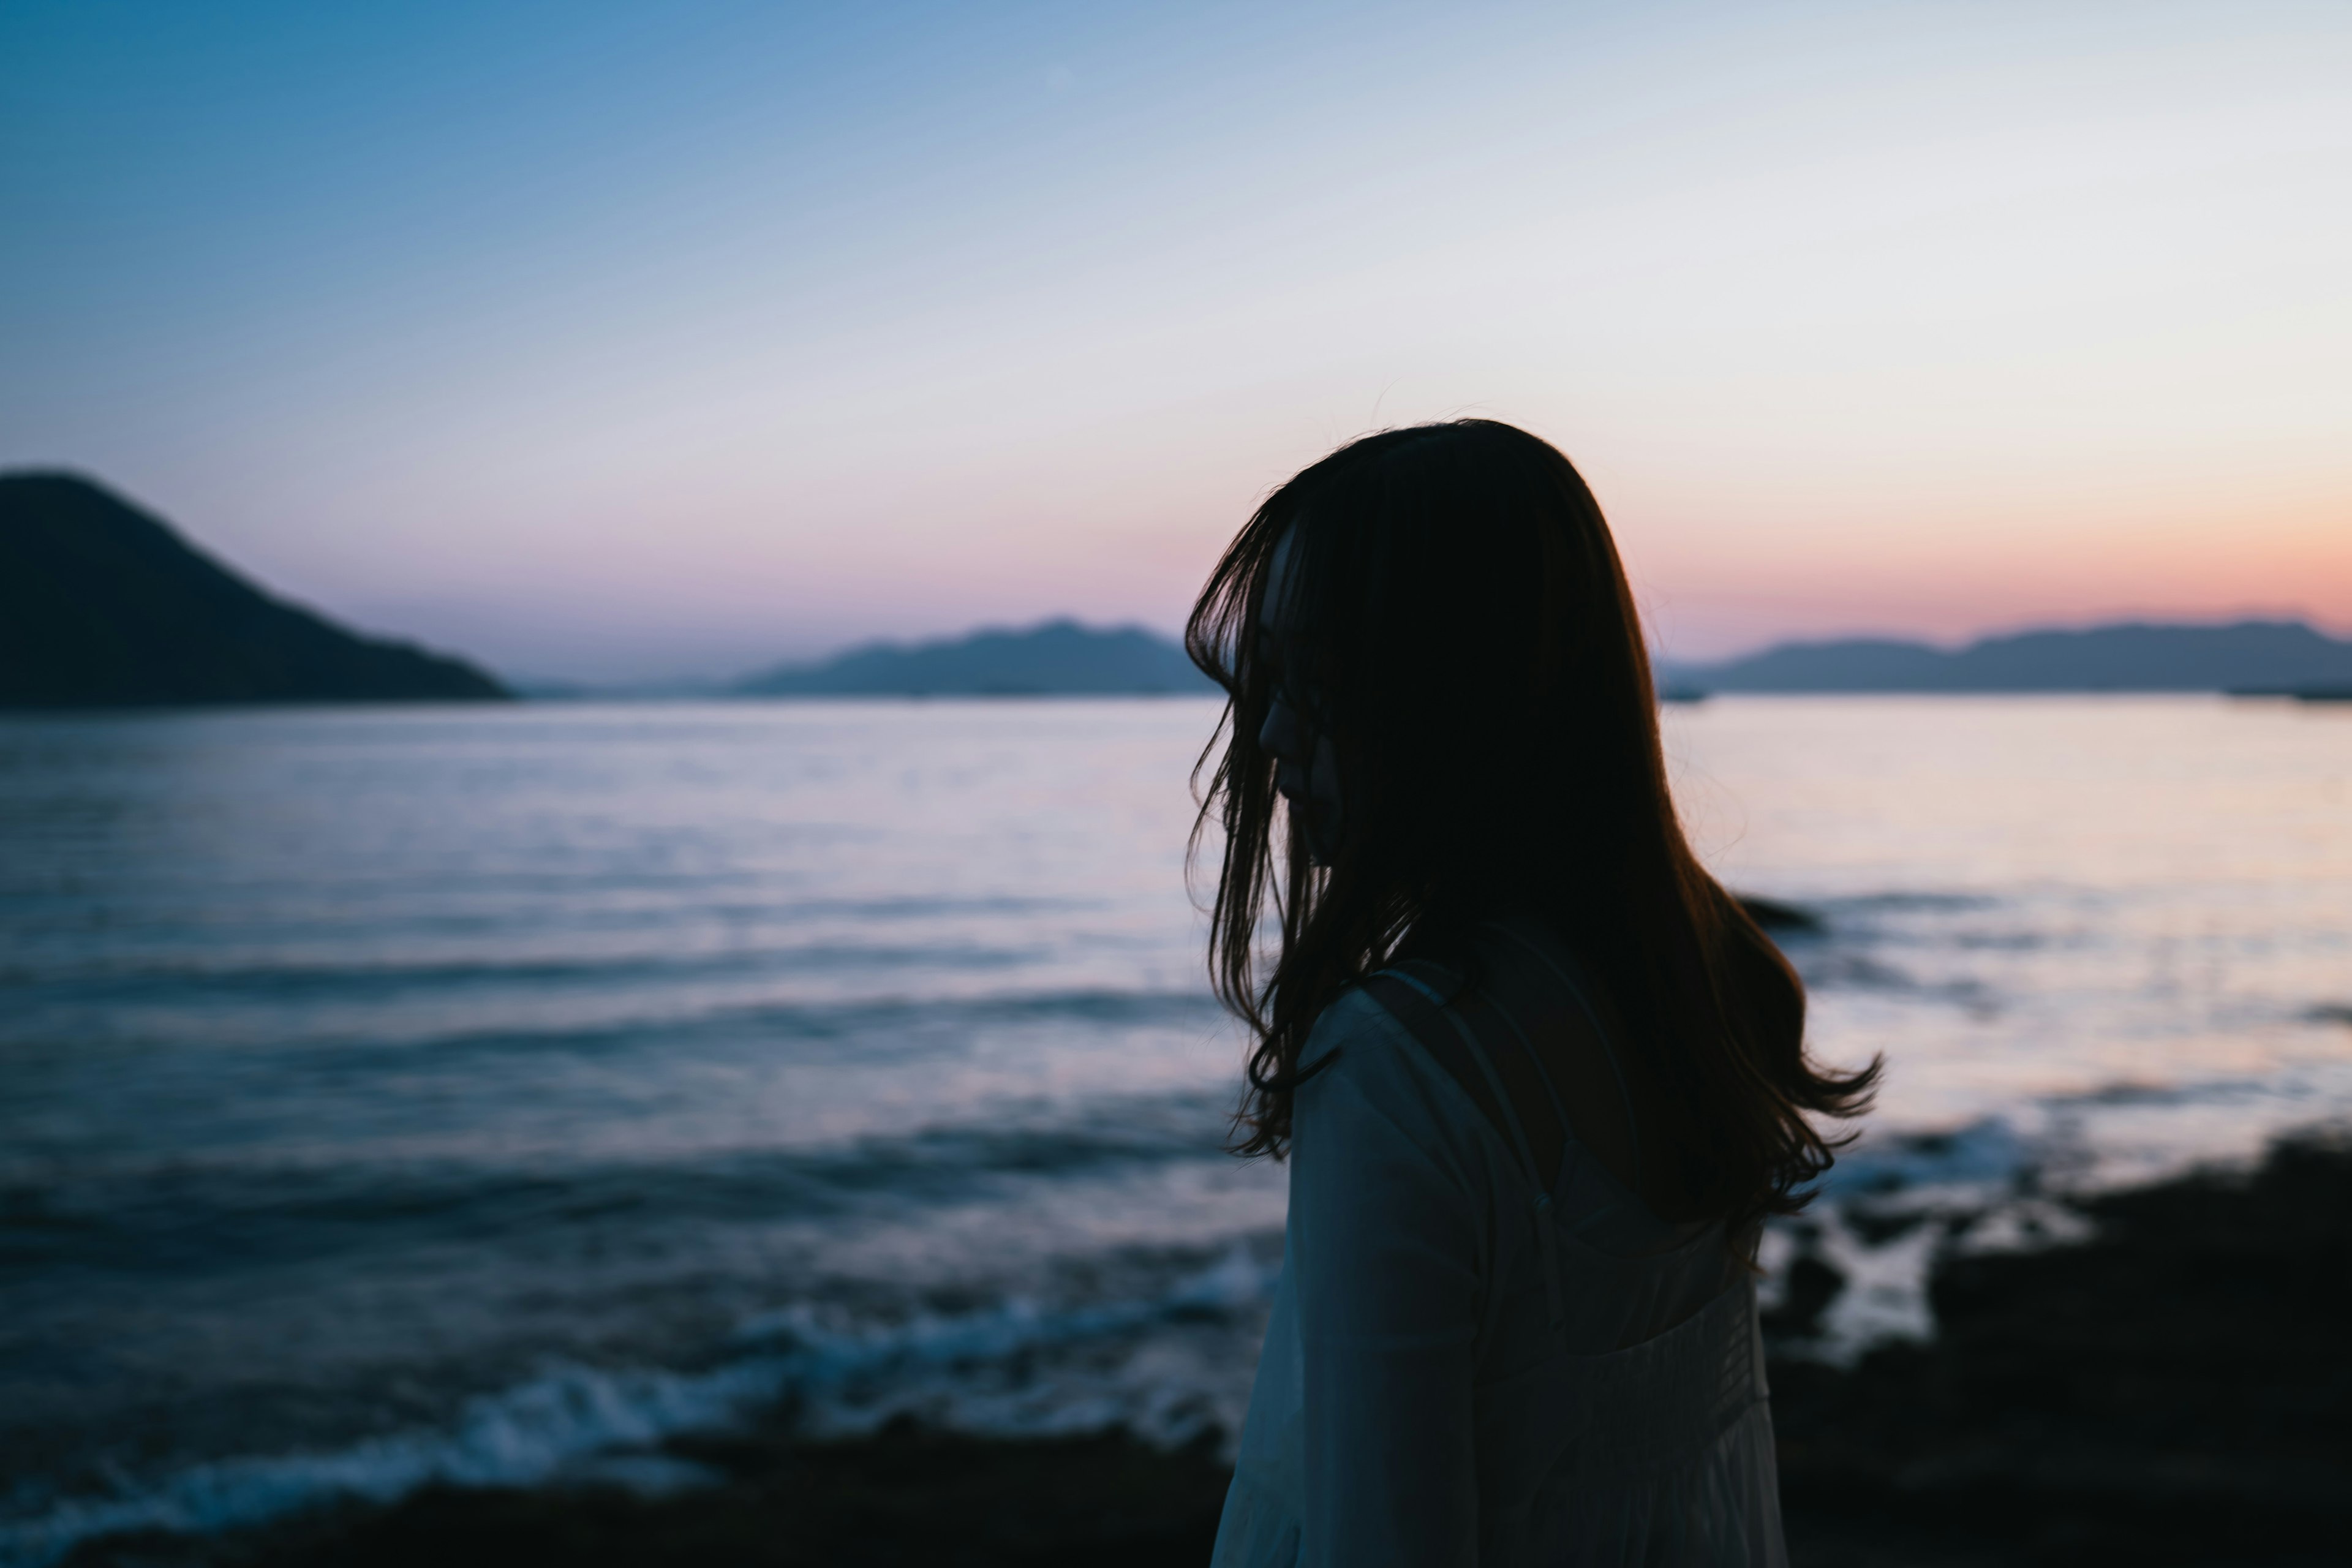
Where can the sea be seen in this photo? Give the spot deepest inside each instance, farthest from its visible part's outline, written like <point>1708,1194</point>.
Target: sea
<point>485,1095</point>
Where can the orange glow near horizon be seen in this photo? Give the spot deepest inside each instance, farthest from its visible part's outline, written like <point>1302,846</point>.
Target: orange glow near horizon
<point>1913,320</point>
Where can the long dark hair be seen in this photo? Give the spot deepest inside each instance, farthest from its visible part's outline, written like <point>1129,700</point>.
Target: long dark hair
<point>1455,605</point>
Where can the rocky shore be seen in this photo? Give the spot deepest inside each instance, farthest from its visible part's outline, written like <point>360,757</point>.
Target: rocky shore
<point>2177,1388</point>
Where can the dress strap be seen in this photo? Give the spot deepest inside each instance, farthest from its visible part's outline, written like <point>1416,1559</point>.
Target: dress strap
<point>1543,1076</point>
<point>1575,988</point>
<point>1426,1010</point>
<point>1429,1015</point>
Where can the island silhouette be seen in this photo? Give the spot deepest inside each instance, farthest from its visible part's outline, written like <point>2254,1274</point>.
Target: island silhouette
<point>2265,656</point>
<point>104,605</point>
<point>1059,658</point>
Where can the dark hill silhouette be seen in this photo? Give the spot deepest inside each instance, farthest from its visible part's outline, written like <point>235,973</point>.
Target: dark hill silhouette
<point>102,604</point>
<point>1057,658</point>
<point>2249,656</point>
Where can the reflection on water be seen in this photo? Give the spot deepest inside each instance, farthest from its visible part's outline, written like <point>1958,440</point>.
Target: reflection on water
<point>2117,922</point>
<point>399,1094</point>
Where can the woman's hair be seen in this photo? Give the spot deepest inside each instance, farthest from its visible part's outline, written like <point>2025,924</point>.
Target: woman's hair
<point>1456,618</point>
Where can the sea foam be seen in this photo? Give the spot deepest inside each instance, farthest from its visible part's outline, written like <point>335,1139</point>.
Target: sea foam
<point>582,1424</point>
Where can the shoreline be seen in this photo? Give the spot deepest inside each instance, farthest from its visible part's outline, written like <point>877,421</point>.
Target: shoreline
<point>2173,1387</point>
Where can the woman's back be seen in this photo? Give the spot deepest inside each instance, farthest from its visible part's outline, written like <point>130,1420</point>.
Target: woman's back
<point>1514,1325</point>
<point>1487,1347</point>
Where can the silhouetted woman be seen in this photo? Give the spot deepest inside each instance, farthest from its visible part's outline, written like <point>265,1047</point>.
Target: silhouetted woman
<point>1539,1078</point>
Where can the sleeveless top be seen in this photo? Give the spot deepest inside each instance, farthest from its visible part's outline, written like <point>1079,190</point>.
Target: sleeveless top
<point>1466,1367</point>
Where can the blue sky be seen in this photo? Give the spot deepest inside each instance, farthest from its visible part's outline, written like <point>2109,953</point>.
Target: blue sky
<point>625,342</point>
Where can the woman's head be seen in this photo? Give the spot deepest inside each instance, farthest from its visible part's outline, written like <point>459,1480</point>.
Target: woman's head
<point>1434,661</point>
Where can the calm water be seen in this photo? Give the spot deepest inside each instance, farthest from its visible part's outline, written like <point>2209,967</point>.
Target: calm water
<point>484,1095</point>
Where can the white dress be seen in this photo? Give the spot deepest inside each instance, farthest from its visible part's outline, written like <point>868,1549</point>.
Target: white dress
<point>1459,1371</point>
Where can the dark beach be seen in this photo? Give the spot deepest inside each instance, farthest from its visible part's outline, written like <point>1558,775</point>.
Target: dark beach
<point>2173,1389</point>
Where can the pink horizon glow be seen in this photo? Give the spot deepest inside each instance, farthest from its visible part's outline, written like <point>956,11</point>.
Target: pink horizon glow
<point>682,346</point>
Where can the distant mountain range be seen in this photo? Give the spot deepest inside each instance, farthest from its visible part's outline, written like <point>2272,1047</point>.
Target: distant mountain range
<point>1058,658</point>
<point>1066,658</point>
<point>102,604</point>
<point>2249,656</point>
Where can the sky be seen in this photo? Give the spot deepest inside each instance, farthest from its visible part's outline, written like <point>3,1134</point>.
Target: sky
<point>621,342</point>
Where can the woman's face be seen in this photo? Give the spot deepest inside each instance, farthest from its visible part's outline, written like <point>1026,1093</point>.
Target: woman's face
<point>1306,767</point>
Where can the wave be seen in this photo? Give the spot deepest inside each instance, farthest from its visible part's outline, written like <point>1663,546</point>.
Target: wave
<point>1846,970</point>
<point>973,1370</point>
<point>583,1021</point>
<point>293,977</point>
<point>557,1426</point>
<point>1902,901</point>
<point>429,929</point>
<point>180,1213</point>
<point>575,1424</point>
<point>1987,1152</point>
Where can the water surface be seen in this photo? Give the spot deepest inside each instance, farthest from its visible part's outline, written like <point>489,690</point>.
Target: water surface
<point>483,1094</point>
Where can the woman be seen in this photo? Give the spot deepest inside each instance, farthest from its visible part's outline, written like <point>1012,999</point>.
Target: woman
<point>1539,1078</point>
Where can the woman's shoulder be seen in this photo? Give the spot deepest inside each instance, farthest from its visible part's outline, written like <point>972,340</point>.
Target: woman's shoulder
<point>1353,1018</point>
<point>1360,1046</point>
<point>1372,1099</point>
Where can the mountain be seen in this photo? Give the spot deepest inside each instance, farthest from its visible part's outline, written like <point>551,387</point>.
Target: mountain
<point>1057,658</point>
<point>102,604</point>
<point>2250,656</point>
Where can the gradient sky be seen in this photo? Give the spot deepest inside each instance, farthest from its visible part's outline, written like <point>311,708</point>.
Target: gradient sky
<point>620,341</point>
